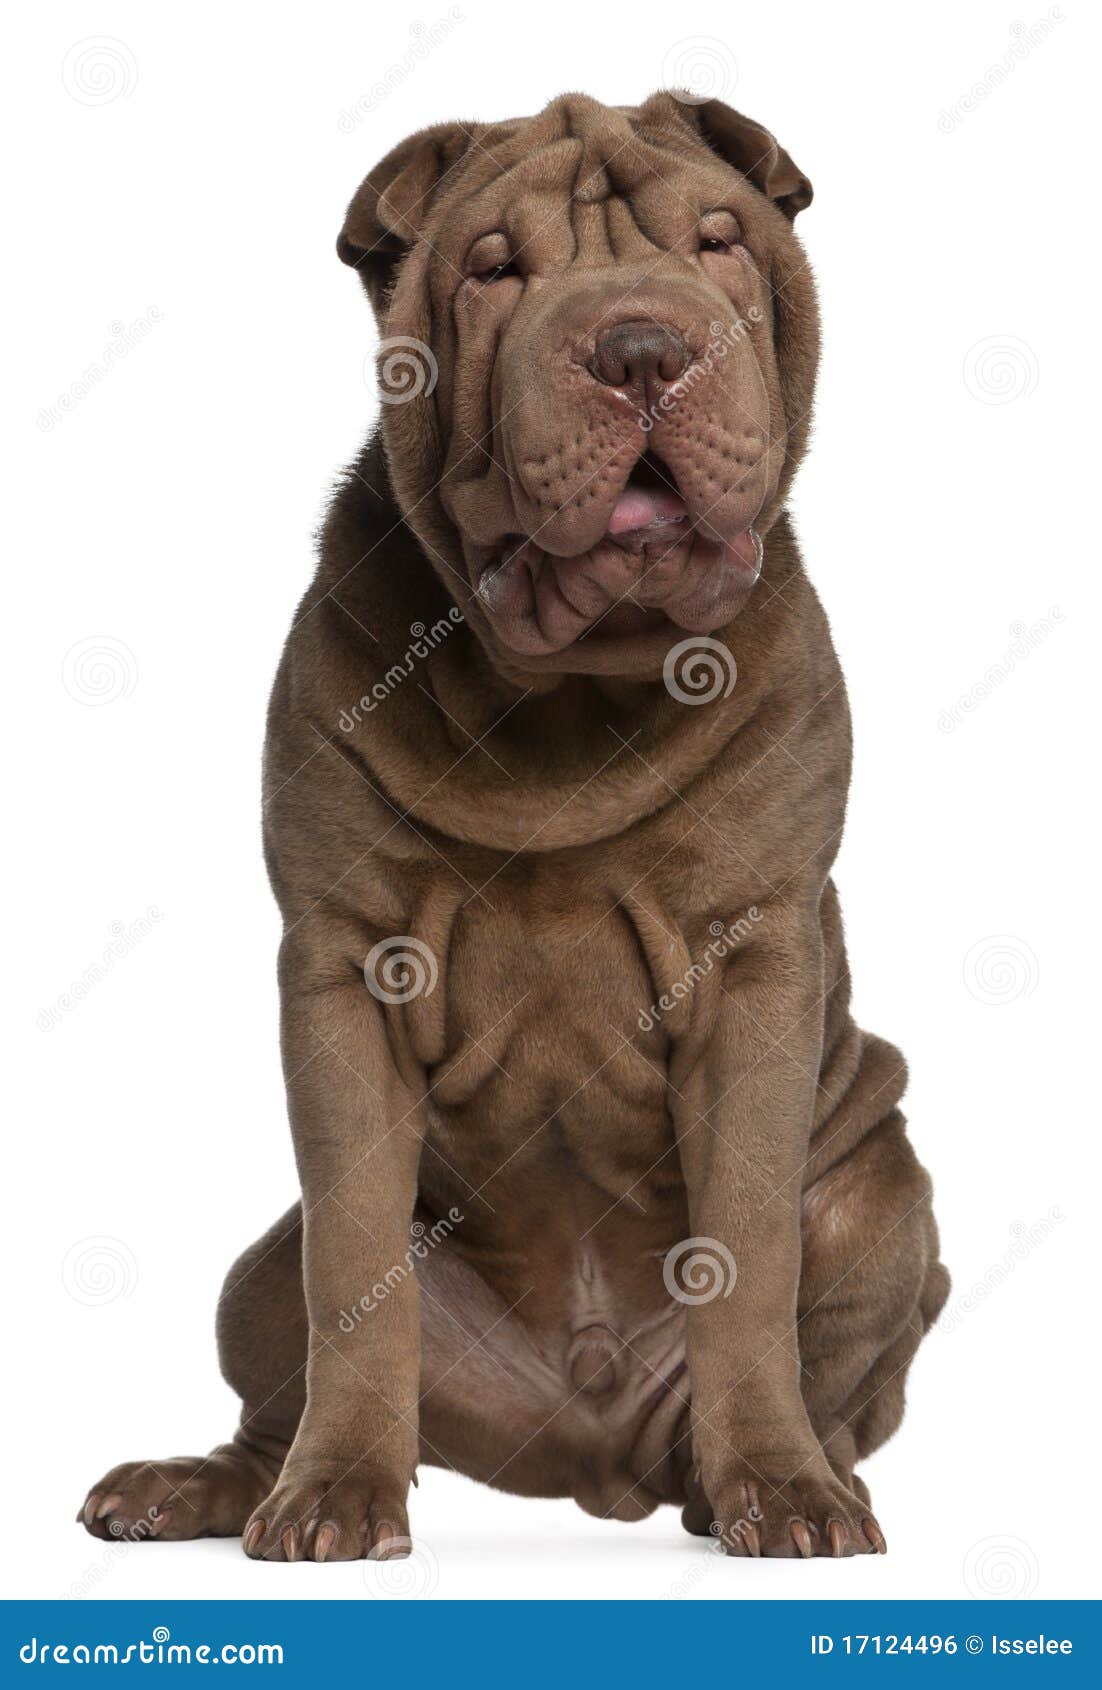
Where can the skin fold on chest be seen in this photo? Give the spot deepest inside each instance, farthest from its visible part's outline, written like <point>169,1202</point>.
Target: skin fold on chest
<point>545,1039</point>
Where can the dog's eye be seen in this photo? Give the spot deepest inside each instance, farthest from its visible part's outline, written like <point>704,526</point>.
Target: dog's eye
<point>490,260</point>
<point>719,232</point>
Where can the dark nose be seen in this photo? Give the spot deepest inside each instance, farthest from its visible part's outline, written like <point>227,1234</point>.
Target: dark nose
<point>642,356</point>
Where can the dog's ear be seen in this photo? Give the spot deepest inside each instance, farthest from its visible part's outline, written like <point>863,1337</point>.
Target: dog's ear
<point>391,203</point>
<point>753,151</point>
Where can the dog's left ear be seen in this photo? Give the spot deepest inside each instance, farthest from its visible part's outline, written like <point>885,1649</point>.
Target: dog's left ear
<point>392,202</point>
<point>755,152</point>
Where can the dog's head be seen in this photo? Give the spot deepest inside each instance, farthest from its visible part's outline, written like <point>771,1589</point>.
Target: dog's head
<point>599,349</point>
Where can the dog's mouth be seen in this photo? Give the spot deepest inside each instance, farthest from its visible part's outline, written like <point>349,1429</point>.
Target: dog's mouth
<point>650,508</point>
<point>656,566</point>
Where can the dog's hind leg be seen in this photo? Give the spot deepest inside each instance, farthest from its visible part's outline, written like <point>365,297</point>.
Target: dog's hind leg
<point>870,1288</point>
<point>262,1349</point>
<point>490,1405</point>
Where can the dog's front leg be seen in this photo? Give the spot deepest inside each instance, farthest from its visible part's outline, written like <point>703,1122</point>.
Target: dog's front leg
<point>744,1116</point>
<point>357,1129</point>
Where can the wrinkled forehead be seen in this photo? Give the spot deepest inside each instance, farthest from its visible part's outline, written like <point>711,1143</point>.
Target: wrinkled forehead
<point>582,183</point>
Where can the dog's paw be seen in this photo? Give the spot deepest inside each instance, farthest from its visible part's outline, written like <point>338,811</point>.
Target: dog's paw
<point>346,1517</point>
<point>797,1518</point>
<point>175,1499</point>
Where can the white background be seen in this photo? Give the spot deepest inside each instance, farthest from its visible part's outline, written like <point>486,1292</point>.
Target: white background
<point>161,516</point>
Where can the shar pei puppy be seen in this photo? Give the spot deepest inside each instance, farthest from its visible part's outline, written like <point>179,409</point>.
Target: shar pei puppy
<point>603,1193</point>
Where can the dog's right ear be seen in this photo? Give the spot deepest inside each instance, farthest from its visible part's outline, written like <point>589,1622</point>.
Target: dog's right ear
<point>389,207</point>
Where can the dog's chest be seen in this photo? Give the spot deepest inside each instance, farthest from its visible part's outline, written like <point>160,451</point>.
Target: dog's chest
<point>551,1055</point>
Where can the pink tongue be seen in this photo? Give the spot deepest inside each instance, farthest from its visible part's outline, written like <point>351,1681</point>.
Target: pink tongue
<point>643,507</point>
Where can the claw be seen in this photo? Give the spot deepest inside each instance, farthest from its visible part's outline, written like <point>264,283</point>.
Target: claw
<point>749,1534</point>
<point>108,1505</point>
<point>801,1537</point>
<point>837,1535</point>
<point>289,1538</point>
<point>88,1512</point>
<point>875,1536</point>
<point>388,1546</point>
<point>253,1535</point>
<point>324,1541</point>
<point>158,1525</point>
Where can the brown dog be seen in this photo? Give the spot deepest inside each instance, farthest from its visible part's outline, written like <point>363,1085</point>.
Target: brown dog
<point>559,744</point>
